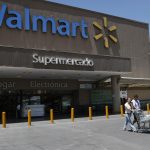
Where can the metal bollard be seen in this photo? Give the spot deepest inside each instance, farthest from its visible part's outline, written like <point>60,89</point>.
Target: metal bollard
<point>3,119</point>
<point>72,114</point>
<point>51,116</point>
<point>90,113</point>
<point>121,110</point>
<point>148,109</point>
<point>29,118</point>
<point>107,113</point>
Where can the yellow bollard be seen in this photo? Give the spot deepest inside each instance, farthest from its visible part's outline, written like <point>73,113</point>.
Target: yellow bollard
<point>3,119</point>
<point>148,109</point>
<point>72,114</point>
<point>121,110</point>
<point>90,113</point>
<point>51,116</point>
<point>29,118</point>
<point>107,113</point>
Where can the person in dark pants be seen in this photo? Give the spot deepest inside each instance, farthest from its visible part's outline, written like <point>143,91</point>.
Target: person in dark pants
<point>136,106</point>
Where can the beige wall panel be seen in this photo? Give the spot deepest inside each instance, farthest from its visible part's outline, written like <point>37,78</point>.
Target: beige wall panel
<point>143,94</point>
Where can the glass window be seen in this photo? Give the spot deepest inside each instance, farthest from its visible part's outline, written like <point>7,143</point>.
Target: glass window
<point>31,100</point>
<point>101,96</point>
<point>35,100</point>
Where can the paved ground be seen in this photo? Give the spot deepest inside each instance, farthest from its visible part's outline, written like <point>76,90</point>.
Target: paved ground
<point>98,134</point>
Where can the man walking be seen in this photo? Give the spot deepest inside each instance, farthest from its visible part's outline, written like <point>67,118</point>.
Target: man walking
<point>136,106</point>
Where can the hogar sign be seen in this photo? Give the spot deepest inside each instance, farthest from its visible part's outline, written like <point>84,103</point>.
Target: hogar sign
<point>14,20</point>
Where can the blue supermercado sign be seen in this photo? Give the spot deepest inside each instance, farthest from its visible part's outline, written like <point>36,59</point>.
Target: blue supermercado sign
<point>14,20</point>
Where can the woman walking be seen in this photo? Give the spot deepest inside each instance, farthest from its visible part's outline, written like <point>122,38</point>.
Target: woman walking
<point>128,112</point>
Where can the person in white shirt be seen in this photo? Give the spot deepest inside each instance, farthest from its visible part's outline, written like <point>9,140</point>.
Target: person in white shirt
<point>128,112</point>
<point>136,103</point>
<point>136,106</point>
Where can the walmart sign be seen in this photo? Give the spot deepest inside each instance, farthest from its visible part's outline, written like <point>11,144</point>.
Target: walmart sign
<point>14,20</point>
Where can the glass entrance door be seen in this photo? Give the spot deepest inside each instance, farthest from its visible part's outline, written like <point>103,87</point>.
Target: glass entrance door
<point>56,105</point>
<point>52,102</point>
<point>59,102</point>
<point>66,104</point>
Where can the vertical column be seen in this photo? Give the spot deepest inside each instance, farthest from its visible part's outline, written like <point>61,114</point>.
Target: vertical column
<point>29,118</point>
<point>90,113</point>
<point>115,81</point>
<point>72,114</point>
<point>4,119</point>
<point>51,116</point>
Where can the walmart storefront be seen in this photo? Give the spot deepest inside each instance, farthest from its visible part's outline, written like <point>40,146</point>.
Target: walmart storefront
<point>56,56</point>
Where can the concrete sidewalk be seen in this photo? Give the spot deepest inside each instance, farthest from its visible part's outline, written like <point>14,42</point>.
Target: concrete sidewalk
<point>98,134</point>
<point>59,121</point>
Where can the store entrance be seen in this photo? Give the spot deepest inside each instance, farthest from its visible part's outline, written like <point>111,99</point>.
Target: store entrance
<point>60,102</point>
<point>40,103</point>
<point>17,103</point>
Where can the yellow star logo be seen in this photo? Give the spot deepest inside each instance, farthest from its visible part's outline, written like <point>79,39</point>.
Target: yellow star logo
<point>107,32</point>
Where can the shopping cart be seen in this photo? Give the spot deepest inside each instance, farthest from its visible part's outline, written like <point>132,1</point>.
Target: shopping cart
<point>143,120</point>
